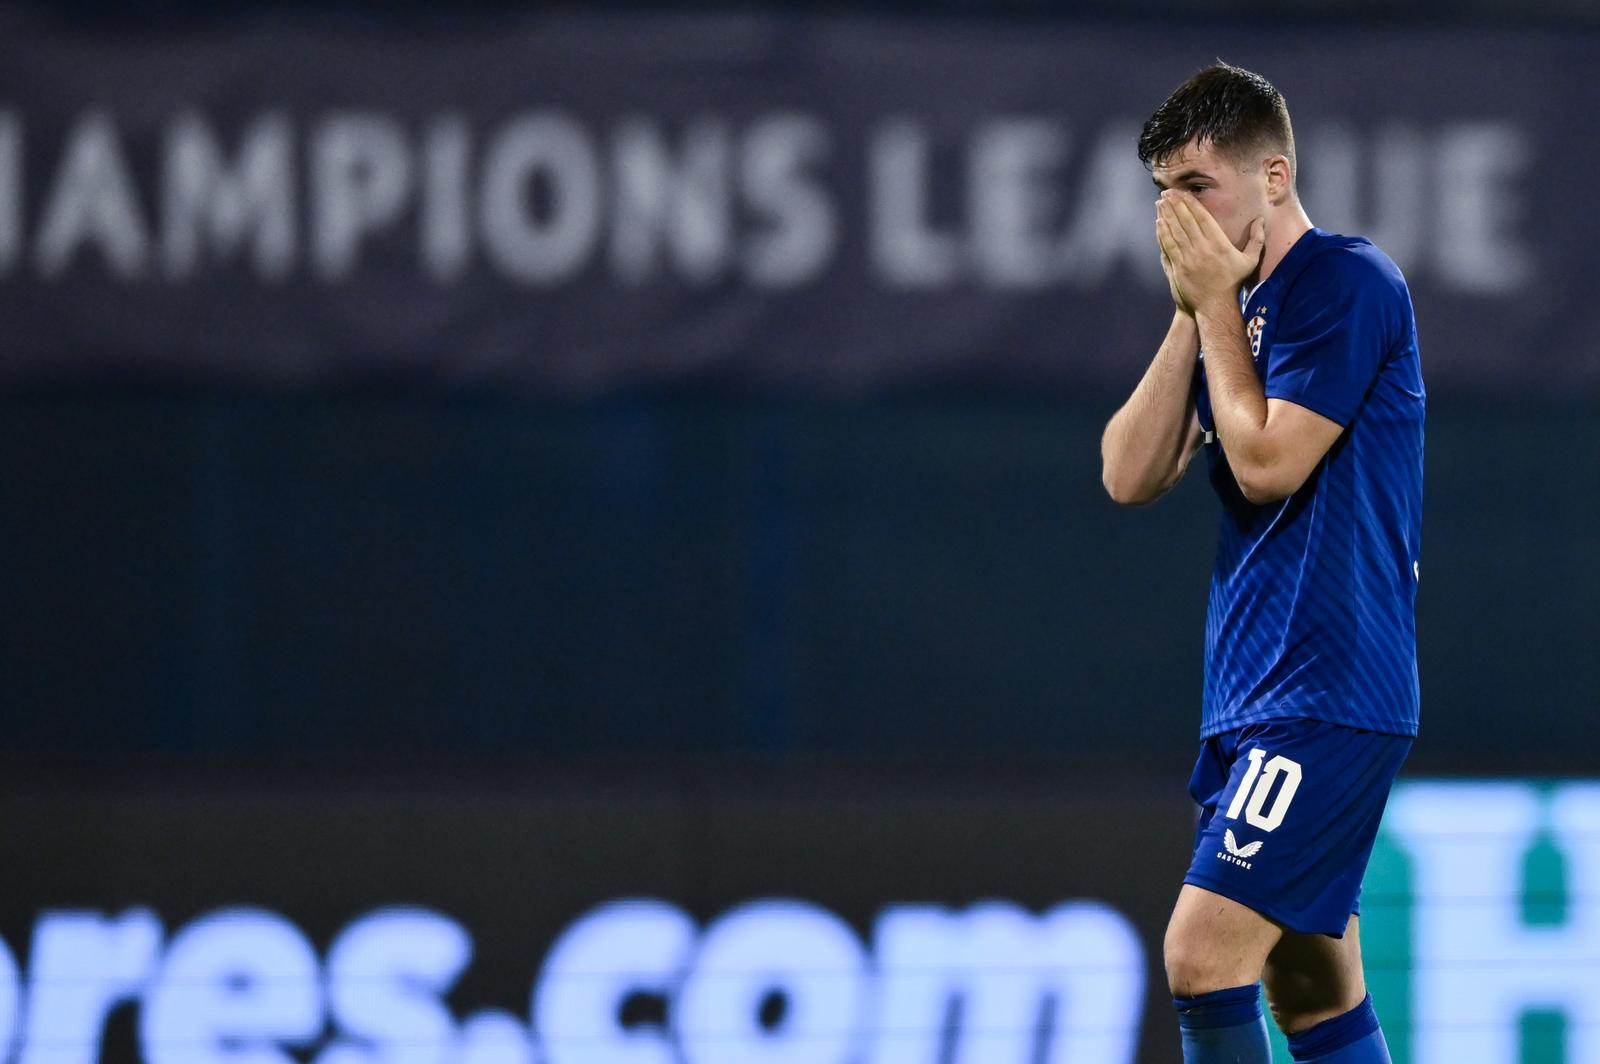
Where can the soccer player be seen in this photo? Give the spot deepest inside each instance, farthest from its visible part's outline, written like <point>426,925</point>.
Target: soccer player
<point>1292,361</point>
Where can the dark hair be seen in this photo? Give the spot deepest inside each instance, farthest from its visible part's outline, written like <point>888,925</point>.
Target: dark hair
<point>1233,110</point>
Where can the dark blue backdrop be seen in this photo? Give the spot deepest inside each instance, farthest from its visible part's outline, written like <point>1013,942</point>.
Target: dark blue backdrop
<point>428,576</point>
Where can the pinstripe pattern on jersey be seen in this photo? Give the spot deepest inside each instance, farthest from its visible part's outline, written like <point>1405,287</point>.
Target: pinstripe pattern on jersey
<point>1312,603</point>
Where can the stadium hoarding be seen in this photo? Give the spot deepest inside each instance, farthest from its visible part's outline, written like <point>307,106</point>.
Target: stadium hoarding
<point>856,924</point>
<point>829,205</point>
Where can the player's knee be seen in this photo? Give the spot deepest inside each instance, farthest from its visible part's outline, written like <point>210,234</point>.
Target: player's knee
<point>1287,1019</point>
<point>1192,970</point>
<point>1298,1002</point>
<point>1293,1020</point>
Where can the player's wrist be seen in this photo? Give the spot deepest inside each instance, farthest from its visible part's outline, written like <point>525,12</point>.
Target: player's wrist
<point>1220,308</point>
<point>1217,302</point>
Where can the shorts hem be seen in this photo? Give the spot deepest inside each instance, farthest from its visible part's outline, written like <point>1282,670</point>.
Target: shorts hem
<point>1294,921</point>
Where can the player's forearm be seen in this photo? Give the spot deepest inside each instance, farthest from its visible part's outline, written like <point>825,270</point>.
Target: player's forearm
<point>1144,447</point>
<point>1238,401</point>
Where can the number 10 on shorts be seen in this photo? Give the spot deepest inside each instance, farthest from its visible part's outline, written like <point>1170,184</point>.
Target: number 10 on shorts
<point>1257,785</point>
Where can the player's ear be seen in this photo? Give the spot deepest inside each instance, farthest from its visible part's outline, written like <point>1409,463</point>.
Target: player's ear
<point>1280,181</point>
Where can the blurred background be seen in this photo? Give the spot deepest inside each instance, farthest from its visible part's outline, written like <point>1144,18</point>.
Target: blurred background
<point>563,534</point>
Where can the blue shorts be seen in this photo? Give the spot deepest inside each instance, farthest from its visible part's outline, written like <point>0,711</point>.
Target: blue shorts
<point>1289,810</point>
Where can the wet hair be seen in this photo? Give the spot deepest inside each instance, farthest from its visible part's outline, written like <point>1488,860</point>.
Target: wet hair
<point>1235,111</point>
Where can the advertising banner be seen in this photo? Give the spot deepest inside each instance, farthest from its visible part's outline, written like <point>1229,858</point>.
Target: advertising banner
<point>845,923</point>
<point>827,206</point>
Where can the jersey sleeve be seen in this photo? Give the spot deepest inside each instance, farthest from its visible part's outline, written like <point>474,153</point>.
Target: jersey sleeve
<point>1336,327</point>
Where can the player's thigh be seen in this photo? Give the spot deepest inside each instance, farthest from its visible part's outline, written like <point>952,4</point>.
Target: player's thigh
<point>1214,942</point>
<point>1311,978</point>
<point>1289,813</point>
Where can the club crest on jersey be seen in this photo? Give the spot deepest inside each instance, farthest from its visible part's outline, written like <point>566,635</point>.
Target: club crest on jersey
<point>1233,853</point>
<point>1253,330</point>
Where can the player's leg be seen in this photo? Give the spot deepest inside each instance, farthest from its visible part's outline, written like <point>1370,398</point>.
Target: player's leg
<point>1288,814</point>
<point>1214,942</point>
<point>1311,978</point>
<point>1215,951</point>
<point>1318,996</point>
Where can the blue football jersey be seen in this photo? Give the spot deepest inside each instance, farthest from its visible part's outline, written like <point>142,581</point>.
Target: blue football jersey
<point>1312,607</point>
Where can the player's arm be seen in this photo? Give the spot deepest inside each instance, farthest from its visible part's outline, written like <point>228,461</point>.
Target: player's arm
<point>1148,443</point>
<point>1272,444</point>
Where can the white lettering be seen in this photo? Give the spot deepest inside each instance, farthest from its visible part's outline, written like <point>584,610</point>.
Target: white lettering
<point>683,203</point>
<point>494,1037</point>
<point>446,215</point>
<point>204,199</point>
<point>548,154</point>
<point>1015,166</point>
<point>632,982</point>
<point>1400,193</point>
<point>1269,820</point>
<point>906,247</point>
<point>998,207</point>
<point>1006,987</point>
<point>622,949</point>
<point>1394,212</point>
<point>10,991</point>
<point>1478,248</point>
<point>93,203</point>
<point>386,974</point>
<point>234,987</point>
<point>1330,189</point>
<point>1246,784</point>
<point>774,982</point>
<point>360,179</point>
<point>10,190</point>
<point>1115,222</point>
<point>774,180</point>
<point>81,965</point>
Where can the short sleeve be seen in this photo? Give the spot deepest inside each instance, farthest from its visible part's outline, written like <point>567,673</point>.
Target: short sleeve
<point>1335,327</point>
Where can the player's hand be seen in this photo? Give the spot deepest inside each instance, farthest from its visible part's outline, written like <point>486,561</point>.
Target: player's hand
<point>1172,286</point>
<point>1207,269</point>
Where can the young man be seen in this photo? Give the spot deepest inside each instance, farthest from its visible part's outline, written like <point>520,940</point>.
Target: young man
<point>1292,360</point>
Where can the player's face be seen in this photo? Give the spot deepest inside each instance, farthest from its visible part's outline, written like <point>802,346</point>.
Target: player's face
<point>1234,196</point>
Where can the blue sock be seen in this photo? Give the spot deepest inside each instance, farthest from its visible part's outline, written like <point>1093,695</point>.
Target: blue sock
<point>1224,1027</point>
<point>1354,1038</point>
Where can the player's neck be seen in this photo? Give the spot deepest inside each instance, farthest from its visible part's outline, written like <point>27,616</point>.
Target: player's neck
<point>1287,227</point>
